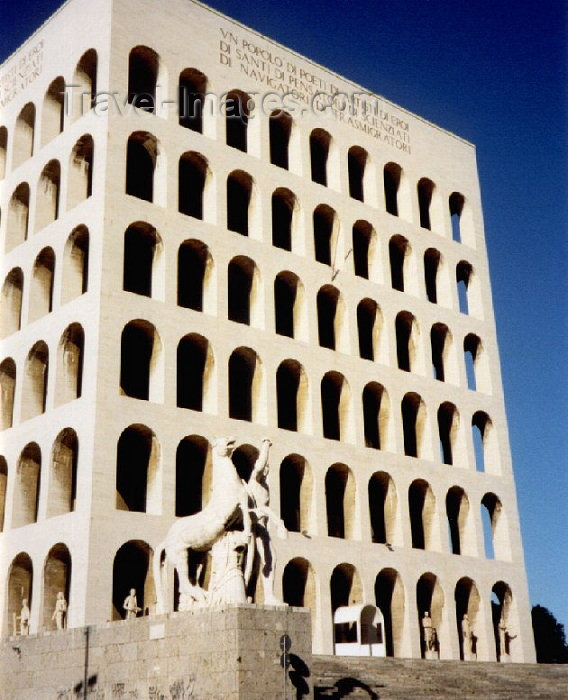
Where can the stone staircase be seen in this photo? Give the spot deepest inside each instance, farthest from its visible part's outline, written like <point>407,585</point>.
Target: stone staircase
<point>336,677</point>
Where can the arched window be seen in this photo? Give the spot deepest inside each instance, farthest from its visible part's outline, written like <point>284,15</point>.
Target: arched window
<point>289,306</point>
<point>194,174</point>
<point>7,392</point>
<point>11,302</point>
<point>140,360</point>
<point>459,531</point>
<point>485,446</point>
<point>41,290</point>
<point>3,489</point>
<point>143,64</point>
<point>463,276</point>
<point>440,341</point>
<point>196,288</point>
<point>56,579</point>
<point>331,318</point>
<point>75,265</point>
<point>495,528</point>
<point>448,426</point>
<point>423,515</point>
<point>19,587</point>
<point>320,141</point>
<point>246,400</point>
<point>336,407</point>
<point>280,127</point>
<point>70,357</point>
<point>340,501</point>
<point>292,396</point>
<point>476,364</point>
<point>52,115</point>
<point>80,176</point>
<point>132,568</point>
<point>142,260</point>
<point>195,373</point>
<point>503,615</point>
<point>375,415</point>
<point>383,505</point>
<point>392,175</point>
<point>399,251</point>
<point>413,412</point>
<point>468,603</point>
<point>299,585</point>
<point>26,492</point>
<point>141,163</point>
<point>346,587</point>
<point>406,341</point>
<point>326,230</point>
<point>24,135</point>
<point>369,327</point>
<point>296,487</point>
<point>63,474</point>
<point>431,266</point>
<point>389,597</point>
<point>461,219</point>
<point>356,162</point>
<point>239,195</point>
<point>192,89</point>
<point>193,475</point>
<point>138,478</point>
<point>244,298</point>
<point>425,189</point>
<point>430,599</point>
<point>47,200</point>
<point>18,212</point>
<point>34,392</point>
<point>3,150</point>
<point>284,204</point>
<point>85,80</point>
<point>364,242</point>
<point>238,106</point>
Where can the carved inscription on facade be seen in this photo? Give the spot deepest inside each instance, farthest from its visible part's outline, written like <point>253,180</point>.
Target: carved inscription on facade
<point>21,74</point>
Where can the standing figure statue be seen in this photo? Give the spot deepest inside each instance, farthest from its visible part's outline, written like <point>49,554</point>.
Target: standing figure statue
<point>24,618</point>
<point>131,605</point>
<point>427,628</point>
<point>261,513</point>
<point>60,612</point>
<point>504,640</point>
<point>467,637</point>
<point>227,583</point>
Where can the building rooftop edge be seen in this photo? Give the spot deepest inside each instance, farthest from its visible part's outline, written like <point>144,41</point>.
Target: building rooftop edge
<point>204,6</point>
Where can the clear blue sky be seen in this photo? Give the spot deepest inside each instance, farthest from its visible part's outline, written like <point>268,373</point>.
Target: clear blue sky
<point>495,73</point>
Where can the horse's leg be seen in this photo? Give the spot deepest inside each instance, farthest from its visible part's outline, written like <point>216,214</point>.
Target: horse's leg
<point>182,567</point>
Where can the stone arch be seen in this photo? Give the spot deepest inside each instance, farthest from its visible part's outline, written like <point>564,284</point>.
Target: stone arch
<point>19,586</point>
<point>56,579</point>
<point>75,264</point>
<point>460,526</point>
<point>192,88</point>
<point>238,106</point>
<point>196,195</point>
<point>246,385</point>
<point>290,315</point>
<point>495,528</point>
<point>41,289</point>
<point>390,598</point>
<point>138,470</point>
<point>444,365</point>
<point>477,364</point>
<point>396,191</point>
<point>448,432</point>
<point>468,602</point>
<point>430,598</point>
<point>3,490</point>
<point>143,164</point>
<point>369,330</point>
<point>284,219</point>
<point>196,385</point>
<point>414,425</point>
<point>70,358</point>
<point>241,204</point>
<point>196,277</point>
<point>141,361</point>
<point>80,174</point>
<point>376,411</point>
<point>296,494</point>
<point>299,585</point>
<point>23,145</point>
<point>485,444</point>
<point>383,509</point>
<point>34,390</point>
<point>143,261</point>
<point>429,205</point>
<point>468,288</point>
<point>280,127</point>
<point>11,302</point>
<point>7,393</point>
<point>345,586</point>
<point>504,607</point>
<point>360,174</point>
<point>18,217</point>
<point>48,195</point>
<point>337,410</point>
<point>292,396</point>
<point>85,80</point>
<point>332,319</point>
<point>423,512</point>
<point>340,499</point>
<point>3,150</point>
<point>407,342</point>
<point>144,68</point>
<point>326,234</point>
<point>26,492</point>
<point>132,568</point>
<point>364,242</point>
<point>62,491</point>
<point>244,292</point>
<point>193,475</point>
<point>461,219</point>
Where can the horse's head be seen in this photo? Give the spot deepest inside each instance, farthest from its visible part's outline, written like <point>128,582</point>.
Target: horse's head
<point>223,447</point>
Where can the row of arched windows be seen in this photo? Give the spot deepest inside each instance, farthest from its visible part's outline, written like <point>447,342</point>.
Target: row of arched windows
<point>48,194</point>
<point>132,568</point>
<point>33,383</point>
<point>196,104</point>
<point>24,481</point>
<point>54,114</point>
<point>42,277</point>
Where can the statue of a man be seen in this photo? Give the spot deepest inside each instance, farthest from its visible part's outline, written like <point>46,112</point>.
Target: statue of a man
<point>261,513</point>
<point>427,628</point>
<point>25,618</point>
<point>60,612</point>
<point>131,605</point>
<point>466,635</point>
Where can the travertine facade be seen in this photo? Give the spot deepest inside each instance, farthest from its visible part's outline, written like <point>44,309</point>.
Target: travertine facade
<point>319,278</point>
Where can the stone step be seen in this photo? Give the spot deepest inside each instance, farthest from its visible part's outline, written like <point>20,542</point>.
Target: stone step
<point>406,679</point>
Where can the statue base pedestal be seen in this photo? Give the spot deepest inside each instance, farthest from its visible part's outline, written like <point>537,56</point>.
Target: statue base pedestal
<point>231,652</point>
